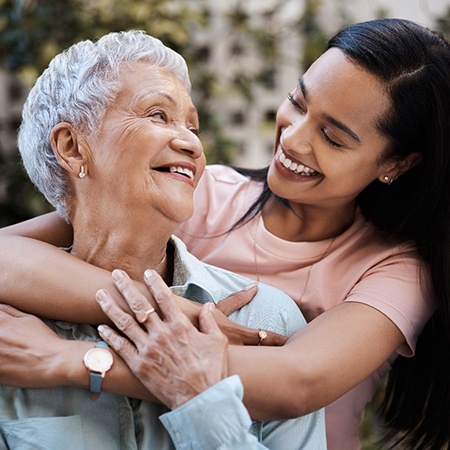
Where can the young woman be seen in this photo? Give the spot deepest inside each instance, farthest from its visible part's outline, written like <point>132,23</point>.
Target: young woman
<point>351,219</point>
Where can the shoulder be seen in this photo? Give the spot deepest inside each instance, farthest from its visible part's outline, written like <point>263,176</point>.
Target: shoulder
<point>224,174</point>
<point>222,181</point>
<point>221,198</point>
<point>394,280</point>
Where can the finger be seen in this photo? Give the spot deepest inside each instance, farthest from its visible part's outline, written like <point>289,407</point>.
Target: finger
<point>238,299</point>
<point>162,294</point>
<point>135,299</point>
<point>10,310</point>
<point>122,346</point>
<point>272,339</point>
<point>122,320</point>
<point>207,323</point>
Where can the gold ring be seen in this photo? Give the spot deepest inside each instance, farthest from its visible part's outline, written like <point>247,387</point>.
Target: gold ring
<point>262,335</point>
<point>142,316</point>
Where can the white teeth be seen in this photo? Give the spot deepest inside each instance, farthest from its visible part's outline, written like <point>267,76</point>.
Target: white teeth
<point>287,163</point>
<point>183,171</point>
<point>297,168</point>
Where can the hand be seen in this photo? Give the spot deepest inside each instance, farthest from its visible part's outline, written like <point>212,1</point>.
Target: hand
<point>28,348</point>
<point>238,334</point>
<point>170,357</point>
<point>237,300</point>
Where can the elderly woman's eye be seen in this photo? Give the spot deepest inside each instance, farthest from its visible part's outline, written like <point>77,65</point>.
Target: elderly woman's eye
<point>159,115</point>
<point>196,131</point>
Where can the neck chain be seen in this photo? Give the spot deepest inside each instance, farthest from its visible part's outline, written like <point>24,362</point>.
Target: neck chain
<point>260,222</point>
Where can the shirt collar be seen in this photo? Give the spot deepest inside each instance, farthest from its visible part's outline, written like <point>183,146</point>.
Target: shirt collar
<point>191,279</point>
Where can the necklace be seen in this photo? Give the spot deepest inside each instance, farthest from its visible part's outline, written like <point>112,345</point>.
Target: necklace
<point>259,222</point>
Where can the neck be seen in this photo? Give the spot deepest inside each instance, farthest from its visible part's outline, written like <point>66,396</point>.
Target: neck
<point>130,251</point>
<point>299,223</point>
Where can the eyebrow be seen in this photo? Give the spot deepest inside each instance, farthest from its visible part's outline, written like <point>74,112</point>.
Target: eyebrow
<point>157,93</point>
<point>329,118</point>
<point>192,109</point>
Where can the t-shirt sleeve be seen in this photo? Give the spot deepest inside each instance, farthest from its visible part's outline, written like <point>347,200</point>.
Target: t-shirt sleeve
<point>397,287</point>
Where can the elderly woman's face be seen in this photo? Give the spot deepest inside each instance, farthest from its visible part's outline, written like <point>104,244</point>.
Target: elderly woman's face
<point>147,156</point>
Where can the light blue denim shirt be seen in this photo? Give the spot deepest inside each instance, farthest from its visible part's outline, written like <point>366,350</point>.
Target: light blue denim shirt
<point>217,418</point>
<point>66,418</point>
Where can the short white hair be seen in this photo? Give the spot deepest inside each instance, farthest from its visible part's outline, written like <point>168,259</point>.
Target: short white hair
<point>77,87</point>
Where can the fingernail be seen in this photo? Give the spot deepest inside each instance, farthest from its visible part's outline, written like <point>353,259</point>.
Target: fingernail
<point>211,306</point>
<point>251,286</point>
<point>101,295</point>
<point>103,331</point>
<point>117,274</point>
<point>148,274</point>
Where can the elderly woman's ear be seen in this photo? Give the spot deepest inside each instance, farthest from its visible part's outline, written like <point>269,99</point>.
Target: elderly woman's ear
<point>65,141</point>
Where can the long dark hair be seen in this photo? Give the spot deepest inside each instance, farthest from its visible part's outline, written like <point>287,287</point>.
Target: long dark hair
<point>413,63</point>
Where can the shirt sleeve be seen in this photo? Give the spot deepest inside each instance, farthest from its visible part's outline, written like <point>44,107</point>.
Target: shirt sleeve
<point>397,287</point>
<point>214,419</point>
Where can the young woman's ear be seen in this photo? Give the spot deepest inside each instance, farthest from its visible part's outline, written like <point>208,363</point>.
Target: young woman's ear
<point>400,167</point>
<point>65,144</point>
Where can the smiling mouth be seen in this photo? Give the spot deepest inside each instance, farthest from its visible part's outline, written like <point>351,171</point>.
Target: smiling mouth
<point>296,167</point>
<point>188,173</point>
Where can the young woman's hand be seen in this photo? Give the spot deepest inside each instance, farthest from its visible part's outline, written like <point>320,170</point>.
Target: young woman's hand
<point>29,350</point>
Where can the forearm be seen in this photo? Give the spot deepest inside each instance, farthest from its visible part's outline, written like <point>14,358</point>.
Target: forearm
<point>320,363</point>
<point>45,280</point>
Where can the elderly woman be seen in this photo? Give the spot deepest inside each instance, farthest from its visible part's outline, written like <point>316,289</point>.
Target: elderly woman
<point>110,137</point>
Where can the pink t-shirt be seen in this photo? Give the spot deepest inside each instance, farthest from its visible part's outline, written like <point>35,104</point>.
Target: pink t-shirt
<point>359,266</point>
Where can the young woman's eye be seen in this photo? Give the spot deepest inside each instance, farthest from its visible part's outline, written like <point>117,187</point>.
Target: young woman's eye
<point>330,141</point>
<point>294,102</point>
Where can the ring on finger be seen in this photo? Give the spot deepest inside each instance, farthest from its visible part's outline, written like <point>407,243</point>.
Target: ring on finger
<point>262,335</point>
<point>142,316</point>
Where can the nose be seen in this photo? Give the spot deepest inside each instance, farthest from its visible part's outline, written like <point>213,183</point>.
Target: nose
<point>296,136</point>
<point>187,141</point>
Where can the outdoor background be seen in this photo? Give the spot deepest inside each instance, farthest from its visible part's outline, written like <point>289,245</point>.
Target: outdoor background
<point>244,56</point>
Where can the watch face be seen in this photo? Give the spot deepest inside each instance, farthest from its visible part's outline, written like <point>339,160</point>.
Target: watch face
<point>98,359</point>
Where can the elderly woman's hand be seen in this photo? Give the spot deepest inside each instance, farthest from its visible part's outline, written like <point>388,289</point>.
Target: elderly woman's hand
<point>169,355</point>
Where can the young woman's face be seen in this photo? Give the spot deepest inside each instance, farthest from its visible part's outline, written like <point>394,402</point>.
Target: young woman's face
<point>147,155</point>
<point>328,148</point>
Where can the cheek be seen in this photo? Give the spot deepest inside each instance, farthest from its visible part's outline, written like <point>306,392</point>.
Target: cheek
<point>201,163</point>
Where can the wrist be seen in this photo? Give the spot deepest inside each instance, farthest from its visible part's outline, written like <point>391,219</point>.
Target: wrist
<point>69,368</point>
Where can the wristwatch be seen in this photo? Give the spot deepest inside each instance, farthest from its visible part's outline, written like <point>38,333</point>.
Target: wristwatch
<point>98,361</point>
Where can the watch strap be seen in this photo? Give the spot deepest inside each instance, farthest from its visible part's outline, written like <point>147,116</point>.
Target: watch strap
<point>95,382</point>
<point>95,378</point>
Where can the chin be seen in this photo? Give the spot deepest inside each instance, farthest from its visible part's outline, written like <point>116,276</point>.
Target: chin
<point>183,213</point>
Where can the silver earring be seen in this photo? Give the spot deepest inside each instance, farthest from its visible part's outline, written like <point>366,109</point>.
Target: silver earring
<point>82,174</point>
